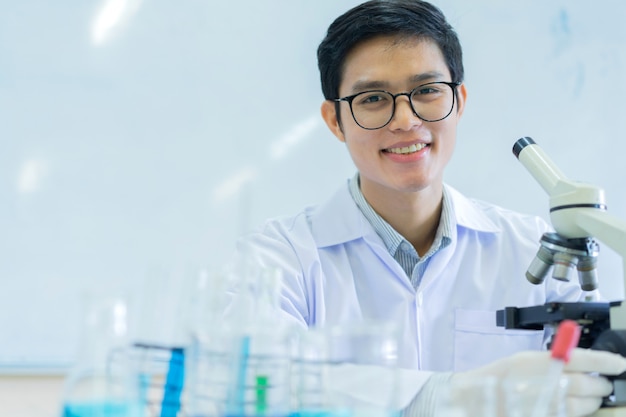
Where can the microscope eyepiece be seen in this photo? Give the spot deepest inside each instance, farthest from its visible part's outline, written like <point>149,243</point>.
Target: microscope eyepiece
<point>521,144</point>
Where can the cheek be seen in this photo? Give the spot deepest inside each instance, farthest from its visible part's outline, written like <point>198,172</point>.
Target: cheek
<point>361,146</point>
<point>355,141</point>
<point>448,137</point>
<point>449,144</point>
<point>358,139</point>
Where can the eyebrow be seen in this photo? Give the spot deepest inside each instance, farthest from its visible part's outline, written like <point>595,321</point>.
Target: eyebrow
<point>378,84</point>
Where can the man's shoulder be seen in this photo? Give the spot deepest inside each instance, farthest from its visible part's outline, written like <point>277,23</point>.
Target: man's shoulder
<point>317,221</point>
<point>471,211</point>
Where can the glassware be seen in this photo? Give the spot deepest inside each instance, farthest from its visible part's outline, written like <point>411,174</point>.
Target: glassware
<point>240,355</point>
<point>162,338</point>
<point>261,358</point>
<point>213,340</point>
<point>103,381</point>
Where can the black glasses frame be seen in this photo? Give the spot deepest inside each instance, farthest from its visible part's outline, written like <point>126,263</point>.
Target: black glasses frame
<point>350,99</point>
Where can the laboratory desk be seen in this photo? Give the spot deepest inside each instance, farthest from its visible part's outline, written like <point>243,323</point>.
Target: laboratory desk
<point>30,396</point>
<point>40,396</point>
<point>611,412</point>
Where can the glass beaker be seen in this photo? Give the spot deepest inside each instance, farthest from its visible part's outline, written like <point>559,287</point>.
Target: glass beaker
<point>103,382</point>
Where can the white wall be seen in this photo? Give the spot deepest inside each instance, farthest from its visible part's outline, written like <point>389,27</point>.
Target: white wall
<point>155,143</point>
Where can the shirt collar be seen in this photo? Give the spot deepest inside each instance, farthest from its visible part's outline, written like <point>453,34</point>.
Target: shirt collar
<point>388,234</point>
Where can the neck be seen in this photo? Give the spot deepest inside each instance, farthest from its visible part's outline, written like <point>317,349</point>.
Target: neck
<point>415,214</point>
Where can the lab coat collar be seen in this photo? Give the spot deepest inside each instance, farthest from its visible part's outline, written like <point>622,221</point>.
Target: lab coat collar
<point>468,214</point>
<point>339,220</point>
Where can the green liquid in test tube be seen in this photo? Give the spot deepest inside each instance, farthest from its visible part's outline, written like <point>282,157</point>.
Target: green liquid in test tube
<point>261,394</point>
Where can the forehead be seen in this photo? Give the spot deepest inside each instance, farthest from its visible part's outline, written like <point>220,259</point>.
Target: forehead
<point>394,61</point>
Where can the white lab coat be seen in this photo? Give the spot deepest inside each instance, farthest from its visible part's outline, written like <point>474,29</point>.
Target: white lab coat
<point>337,270</point>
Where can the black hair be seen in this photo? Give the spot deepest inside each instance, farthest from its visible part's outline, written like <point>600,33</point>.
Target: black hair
<point>403,18</point>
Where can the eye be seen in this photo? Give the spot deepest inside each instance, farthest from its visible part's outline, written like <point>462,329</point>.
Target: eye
<point>427,89</point>
<point>372,97</point>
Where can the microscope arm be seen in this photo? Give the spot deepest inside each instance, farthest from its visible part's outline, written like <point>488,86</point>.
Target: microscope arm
<point>608,229</point>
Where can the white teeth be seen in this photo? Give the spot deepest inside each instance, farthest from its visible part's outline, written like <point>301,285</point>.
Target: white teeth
<point>408,149</point>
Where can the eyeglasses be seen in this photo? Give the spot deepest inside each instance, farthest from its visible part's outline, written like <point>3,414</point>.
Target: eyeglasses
<point>430,102</point>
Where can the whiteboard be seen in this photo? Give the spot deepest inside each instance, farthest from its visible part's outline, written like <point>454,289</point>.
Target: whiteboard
<point>150,134</point>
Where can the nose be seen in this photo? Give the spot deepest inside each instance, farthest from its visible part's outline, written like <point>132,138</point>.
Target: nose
<point>404,118</point>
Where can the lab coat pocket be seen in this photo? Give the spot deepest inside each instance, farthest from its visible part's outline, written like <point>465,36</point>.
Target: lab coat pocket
<point>479,341</point>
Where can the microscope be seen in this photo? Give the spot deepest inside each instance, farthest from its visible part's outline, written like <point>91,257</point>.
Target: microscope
<point>579,216</point>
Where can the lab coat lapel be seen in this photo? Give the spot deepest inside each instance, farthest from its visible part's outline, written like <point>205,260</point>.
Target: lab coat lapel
<point>464,214</point>
<point>339,221</point>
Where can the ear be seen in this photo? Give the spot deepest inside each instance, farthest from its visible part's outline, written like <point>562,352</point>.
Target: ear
<point>329,115</point>
<point>461,98</point>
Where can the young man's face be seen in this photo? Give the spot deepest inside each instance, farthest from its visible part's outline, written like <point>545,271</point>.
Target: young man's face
<point>396,66</point>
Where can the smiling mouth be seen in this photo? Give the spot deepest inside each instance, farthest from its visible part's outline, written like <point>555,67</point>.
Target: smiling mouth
<point>407,149</point>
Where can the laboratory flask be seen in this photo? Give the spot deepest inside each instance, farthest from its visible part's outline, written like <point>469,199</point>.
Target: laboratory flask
<point>103,381</point>
<point>261,359</point>
<point>241,350</point>
<point>213,341</point>
<point>162,338</point>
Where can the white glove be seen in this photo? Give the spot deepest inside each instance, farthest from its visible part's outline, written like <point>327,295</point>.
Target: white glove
<point>585,388</point>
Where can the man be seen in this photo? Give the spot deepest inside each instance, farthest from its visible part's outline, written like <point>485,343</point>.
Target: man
<point>396,243</point>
